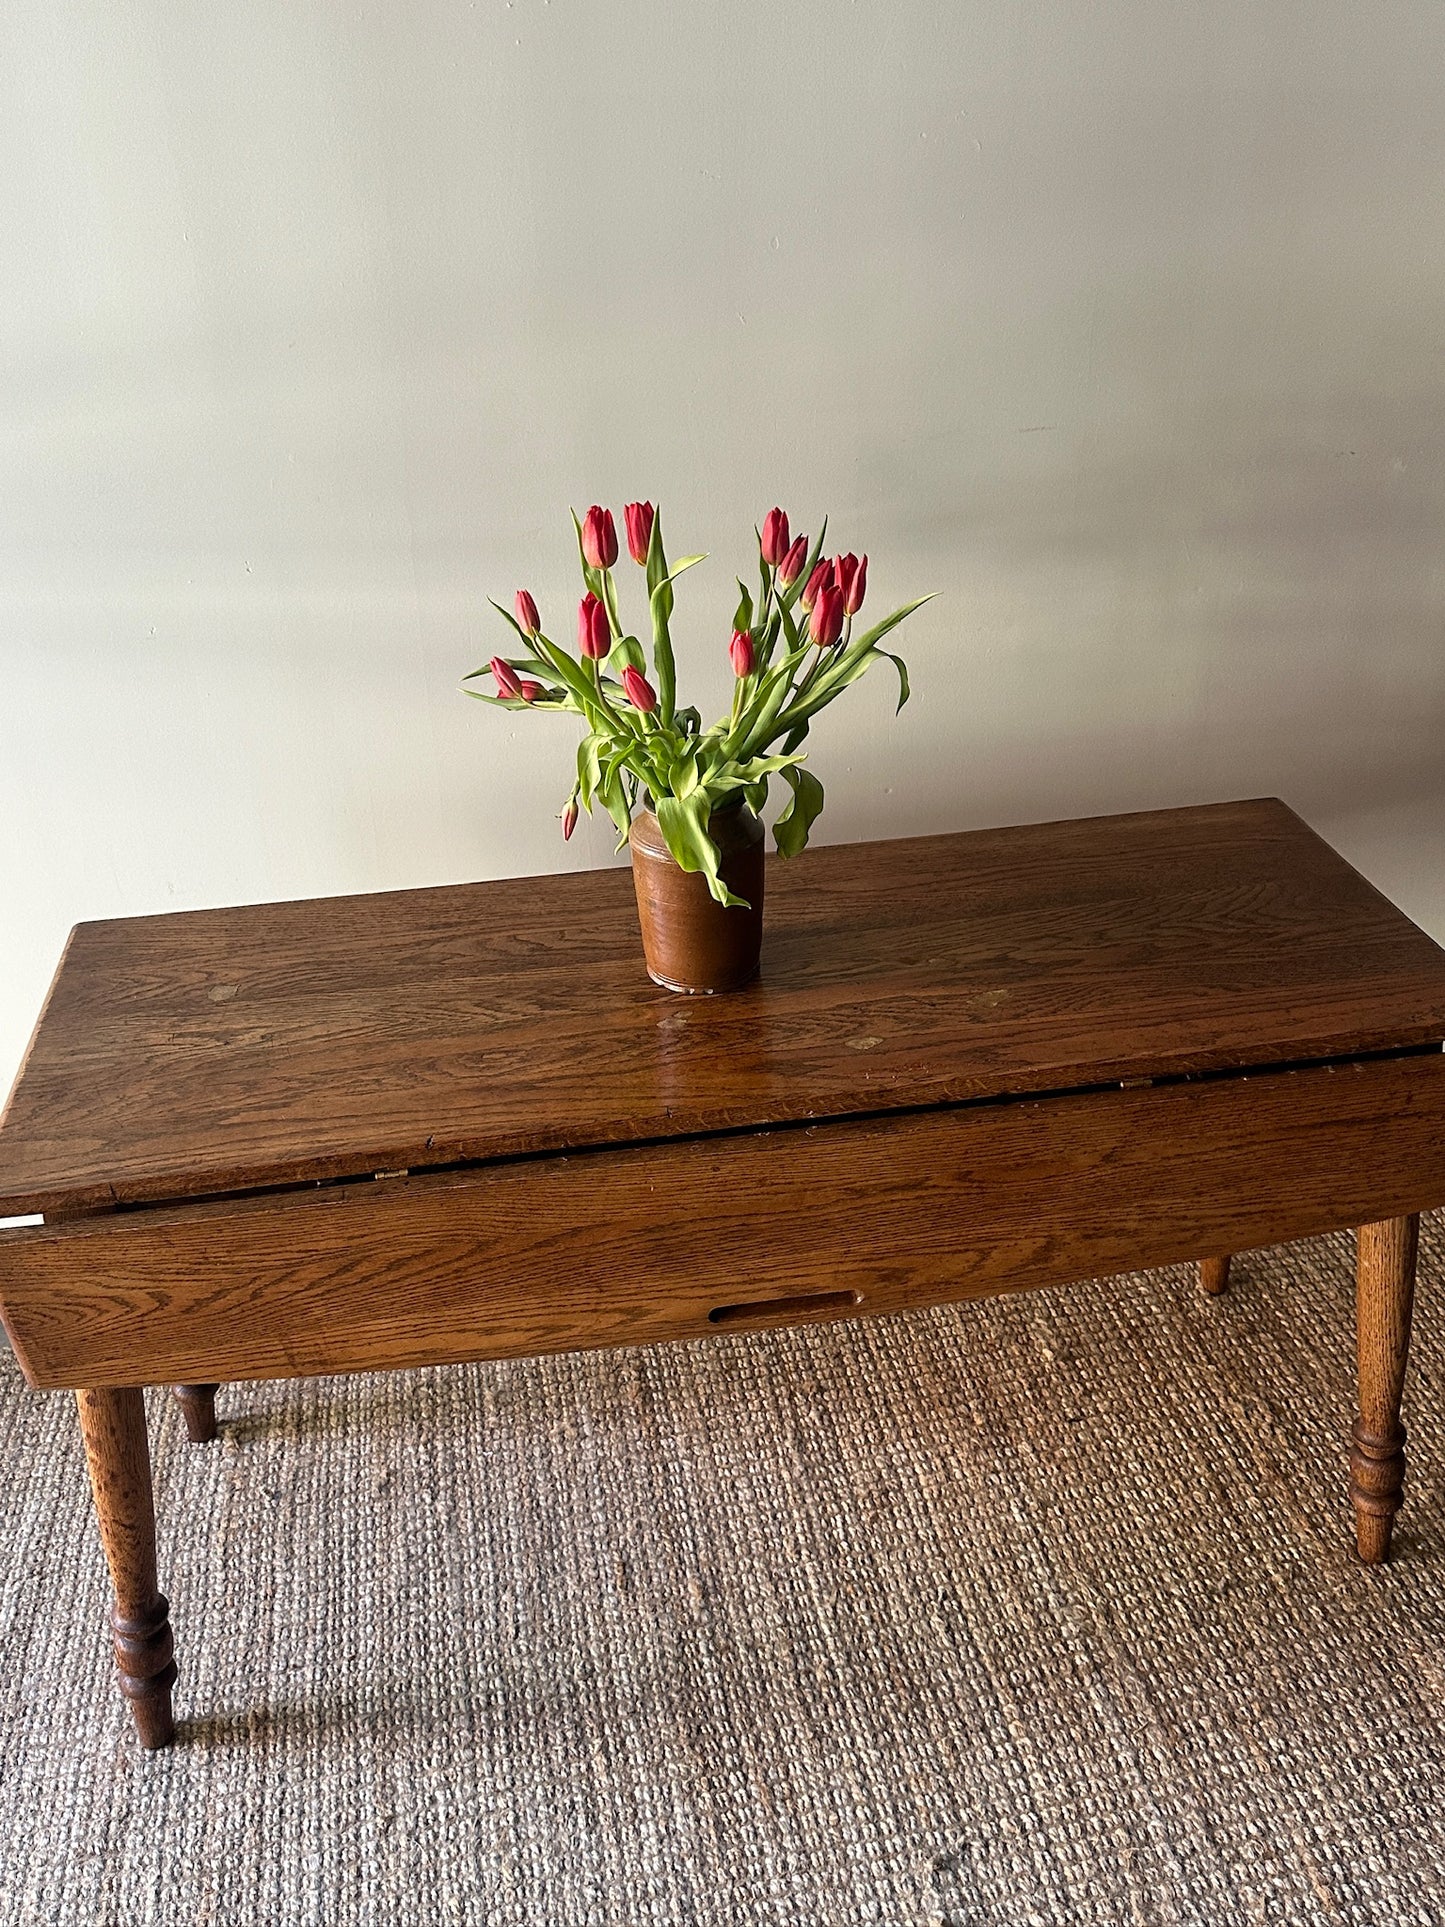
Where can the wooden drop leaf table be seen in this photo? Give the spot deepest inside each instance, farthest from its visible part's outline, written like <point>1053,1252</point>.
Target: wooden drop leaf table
<point>380,1131</point>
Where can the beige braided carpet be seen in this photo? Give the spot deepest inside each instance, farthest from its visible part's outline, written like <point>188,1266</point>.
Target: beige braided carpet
<point>1031,1611</point>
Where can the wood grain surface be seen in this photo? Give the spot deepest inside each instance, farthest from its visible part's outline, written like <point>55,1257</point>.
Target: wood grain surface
<point>218,1051</point>
<point>639,1244</point>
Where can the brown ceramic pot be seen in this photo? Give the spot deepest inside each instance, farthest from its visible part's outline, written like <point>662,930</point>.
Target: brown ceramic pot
<point>691,942</point>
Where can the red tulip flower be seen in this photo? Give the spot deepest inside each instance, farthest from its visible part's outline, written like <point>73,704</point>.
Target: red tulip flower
<point>639,529</point>
<point>822,574</point>
<point>599,538</point>
<point>594,638</point>
<point>638,690</point>
<point>528,621</point>
<point>569,819</point>
<point>775,537</point>
<point>844,570</point>
<point>825,625</point>
<point>740,649</point>
<point>857,589</point>
<point>529,691</point>
<point>507,683</point>
<point>791,566</point>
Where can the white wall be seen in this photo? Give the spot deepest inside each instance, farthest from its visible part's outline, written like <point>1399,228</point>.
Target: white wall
<point>1120,325</point>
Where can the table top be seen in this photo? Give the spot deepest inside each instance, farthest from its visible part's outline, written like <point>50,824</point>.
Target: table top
<point>216,1051</point>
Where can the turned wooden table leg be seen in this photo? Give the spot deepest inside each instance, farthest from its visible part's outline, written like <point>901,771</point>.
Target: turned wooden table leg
<point>1385,1298</point>
<point>113,1424</point>
<point>1214,1275</point>
<point>198,1408</point>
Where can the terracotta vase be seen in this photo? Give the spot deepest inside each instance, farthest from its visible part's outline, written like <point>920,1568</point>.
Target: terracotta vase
<point>691,942</point>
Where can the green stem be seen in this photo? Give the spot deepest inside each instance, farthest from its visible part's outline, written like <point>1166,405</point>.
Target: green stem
<point>609,602</point>
<point>615,722</point>
<point>802,688</point>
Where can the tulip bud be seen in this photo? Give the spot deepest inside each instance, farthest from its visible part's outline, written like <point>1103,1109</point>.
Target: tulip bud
<point>844,570</point>
<point>639,529</point>
<point>507,683</point>
<point>638,690</point>
<point>825,625</point>
<point>528,621</point>
<point>791,566</point>
<point>740,649</point>
<point>822,573</point>
<point>594,638</point>
<point>569,819</point>
<point>599,538</point>
<point>775,537</point>
<point>857,589</point>
<point>529,691</point>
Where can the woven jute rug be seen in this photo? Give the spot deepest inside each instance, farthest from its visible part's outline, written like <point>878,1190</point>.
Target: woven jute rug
<point>1041,1610</point>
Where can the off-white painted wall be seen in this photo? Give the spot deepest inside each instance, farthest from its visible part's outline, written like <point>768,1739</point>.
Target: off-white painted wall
<point>1119,325</point>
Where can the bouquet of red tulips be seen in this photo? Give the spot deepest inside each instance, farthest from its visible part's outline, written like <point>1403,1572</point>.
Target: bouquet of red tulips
<point>792,651</point>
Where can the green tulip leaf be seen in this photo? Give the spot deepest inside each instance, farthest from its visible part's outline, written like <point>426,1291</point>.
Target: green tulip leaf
<point>687,562</point>
<point>790,832</point>
<point>508,617</point>
<point>614,801</point>
<point>767,642</point>
<point>763,766</point>
<point>589,769</point>
<point>659,602</point>
<point>790,595</point>
<point>682,777</point>
<point>876,634</point>
<point>567,669</point>
<point>845,666</point>
<point>683,822</point>
<point>656,559</point>
<point>754,728</point>
<point>902,667</point>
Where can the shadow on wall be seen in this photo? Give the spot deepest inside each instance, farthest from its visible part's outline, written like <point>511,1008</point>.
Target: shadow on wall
<point>1161,601</point>
<point>1251,602</point>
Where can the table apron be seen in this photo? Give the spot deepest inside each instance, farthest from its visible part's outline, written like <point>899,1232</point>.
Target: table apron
<point>680,1239</point>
